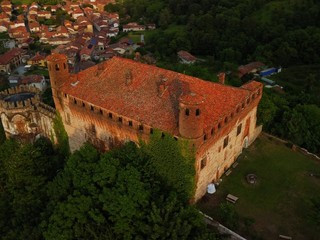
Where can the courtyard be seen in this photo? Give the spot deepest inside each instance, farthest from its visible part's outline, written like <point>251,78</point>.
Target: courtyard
<point>280,199</point>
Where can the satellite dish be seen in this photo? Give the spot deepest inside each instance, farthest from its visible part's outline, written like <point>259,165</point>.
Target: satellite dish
<point>211,188</point>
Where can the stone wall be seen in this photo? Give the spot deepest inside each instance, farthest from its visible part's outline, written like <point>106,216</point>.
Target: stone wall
<point>28,118</point>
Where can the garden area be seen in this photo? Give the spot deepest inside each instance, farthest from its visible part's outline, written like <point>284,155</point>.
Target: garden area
<point>284,199</point>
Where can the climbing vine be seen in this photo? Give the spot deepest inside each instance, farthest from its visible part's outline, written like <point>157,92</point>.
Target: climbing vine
<point>174,161</point>
<point>62,136</point>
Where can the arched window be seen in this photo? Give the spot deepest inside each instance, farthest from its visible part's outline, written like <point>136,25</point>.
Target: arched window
<point>57,67</point>
<point>187,112</point>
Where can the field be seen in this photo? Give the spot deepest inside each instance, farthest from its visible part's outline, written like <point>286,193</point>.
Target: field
<point>280,201</point>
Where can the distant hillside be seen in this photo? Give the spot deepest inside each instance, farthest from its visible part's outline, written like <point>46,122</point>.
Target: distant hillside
<point>281,32</point>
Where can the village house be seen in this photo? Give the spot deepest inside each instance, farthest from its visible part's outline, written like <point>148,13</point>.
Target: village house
<point>252,67</point>
<point>17,23</point>
<point>86,53</point>
<point>44,14</point>
<point>34,27</point>
<point>4,17</point>
<point>151,26</point>
<point>77,12</point>
<point>186,58</point>
<point>133,27</point>
<point>6,7</point>
<point>37,60</point>
<point>4,26</point>
<point>37,81</point>
<point>11,60</point>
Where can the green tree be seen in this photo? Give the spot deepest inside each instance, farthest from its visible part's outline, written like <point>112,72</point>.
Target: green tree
<point>2,133</point>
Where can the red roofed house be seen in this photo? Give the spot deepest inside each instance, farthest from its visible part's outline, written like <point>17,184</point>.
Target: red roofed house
<point>86,53</point>
<point>4,17</point>
<point>37,81</point>
<point>186,57</point>
<point>249,68</point>
<point>11,59</point>
<point>38,60</point>
<point>4,26</point>
<point>122,100</point>
<point>133,27</point>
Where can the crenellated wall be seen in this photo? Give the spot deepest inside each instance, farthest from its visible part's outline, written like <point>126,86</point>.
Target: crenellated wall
<point>26,117</point>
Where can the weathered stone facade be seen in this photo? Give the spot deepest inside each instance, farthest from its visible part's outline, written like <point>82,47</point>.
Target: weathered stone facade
<point>121,100</point>
<point>23,115</point>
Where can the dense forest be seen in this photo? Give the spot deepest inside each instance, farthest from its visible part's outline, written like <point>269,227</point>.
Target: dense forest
<point>282,32</point>
<point>127,193</point>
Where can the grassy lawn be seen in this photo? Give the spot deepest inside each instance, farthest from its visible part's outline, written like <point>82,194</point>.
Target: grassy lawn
<point>280,201</point>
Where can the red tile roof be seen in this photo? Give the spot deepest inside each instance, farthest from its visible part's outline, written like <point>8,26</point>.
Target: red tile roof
<point>8,56</point>
<point>37,57</point>
<point>31,79</point>
<point>140,99</point>
<point>244,69</point>
<point>186,56</point>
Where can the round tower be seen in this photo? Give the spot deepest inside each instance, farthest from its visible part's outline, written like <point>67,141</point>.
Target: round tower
<point>191,115</point>
<point>58,69</point>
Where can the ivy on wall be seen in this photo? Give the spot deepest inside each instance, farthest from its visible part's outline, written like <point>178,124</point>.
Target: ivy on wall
<point>174,161</point>
<point>62,136</point>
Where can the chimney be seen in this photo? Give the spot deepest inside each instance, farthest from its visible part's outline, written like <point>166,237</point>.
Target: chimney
<point>137,57</point>
<point>222,77</point>
<point>100,69</point>
<point>128,76</point>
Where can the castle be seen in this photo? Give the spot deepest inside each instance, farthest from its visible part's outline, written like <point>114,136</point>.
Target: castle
<point>123,100</point>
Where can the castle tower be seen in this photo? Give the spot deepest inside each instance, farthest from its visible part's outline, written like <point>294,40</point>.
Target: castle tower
<point>58,69</point>
<point>58,73</point>
<point>191,115</point>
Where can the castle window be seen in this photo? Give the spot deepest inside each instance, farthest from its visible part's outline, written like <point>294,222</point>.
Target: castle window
<point>205,137</point>
<point>151,130</point>
<point>187,112</point>
<point>110,115</point>
<point>248,100</point>
<point>212,131</point>
<point>74,101</point>
<point>83,104</point>
<point>203,163</point>
<point>91,108</point>
<point>64,65</point>
<point>197,112</point>
<point>101,112</point>
<point>242,105</point>
<point>57,67</point>
<point>162,135</point>
<point>239,129</point>
<point>65,95</point>
<point>225,142</point>
<point>120,119</point>
<point>219,125</point>
<point>226,120</point>
<point>140,127</point>
<point>130,123</point>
